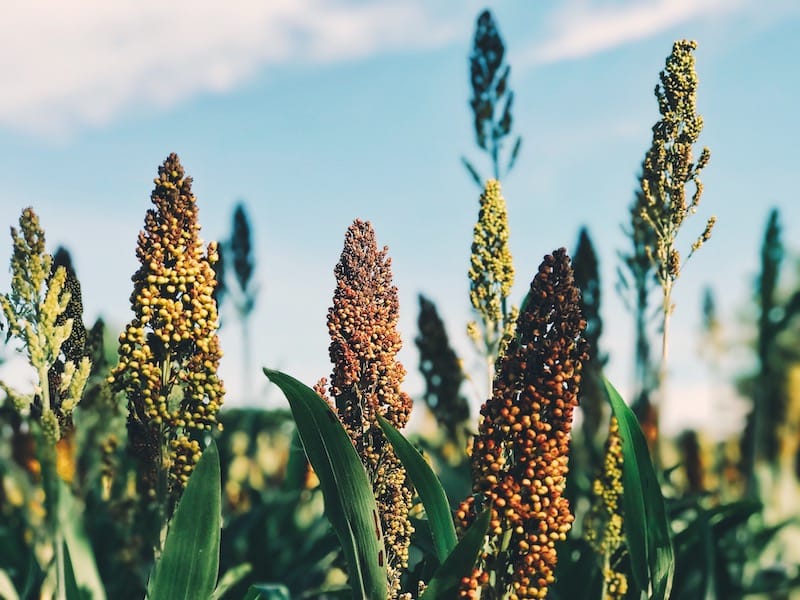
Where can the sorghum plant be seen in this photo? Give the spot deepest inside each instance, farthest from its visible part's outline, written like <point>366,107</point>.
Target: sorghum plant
<point>366,381</point>
<point>41,311</point>
<point>519,460</point>
<point>593,397</point>
<point>442,371</point>
<point>169,353</point>
<point>491,276</point>
<point>492,98</point>
<point>669,167</point>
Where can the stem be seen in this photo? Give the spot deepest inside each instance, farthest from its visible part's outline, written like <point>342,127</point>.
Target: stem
<point>244,318</point>
<point>662,370</point>
<point>606,569</point>
<point>51,484</point>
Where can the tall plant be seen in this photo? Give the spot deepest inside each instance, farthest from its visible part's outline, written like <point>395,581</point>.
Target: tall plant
<point>43,312</point>
<point>366,379</point>
<point>669,168</point>
<point>491,276</point>
<point>492,99</point>
<point>169,352</point>
<point>593,396</point>
<point>519,459</point>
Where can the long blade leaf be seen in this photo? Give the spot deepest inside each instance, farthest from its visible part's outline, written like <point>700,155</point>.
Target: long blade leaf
<point>647,529</point>
<point>349,500</point>
<point>428,487</point>
<point>188,567</point>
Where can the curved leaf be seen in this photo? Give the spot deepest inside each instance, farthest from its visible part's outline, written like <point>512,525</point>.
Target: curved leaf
<point>429,489</point>
<point>189,563</point>
<point>459,563</point>
<point>647,531</point>
<point>349,501</point>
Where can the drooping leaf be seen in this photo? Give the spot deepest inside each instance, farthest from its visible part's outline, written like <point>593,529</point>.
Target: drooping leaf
<point>188,567</point>
<point>349,501</point>
<point>647,531</point>
<point>473,172</point>
<point>429,489</point>
<point>514,153</point>
<point>459,563</point>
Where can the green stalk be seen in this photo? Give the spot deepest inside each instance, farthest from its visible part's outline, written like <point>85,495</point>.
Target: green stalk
<point>50,483</point>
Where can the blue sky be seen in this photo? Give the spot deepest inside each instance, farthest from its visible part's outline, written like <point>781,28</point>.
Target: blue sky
<point>316,112</point>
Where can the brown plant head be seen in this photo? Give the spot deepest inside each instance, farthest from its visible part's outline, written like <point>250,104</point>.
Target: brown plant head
<point>366,379</point>
<point>519,459</point>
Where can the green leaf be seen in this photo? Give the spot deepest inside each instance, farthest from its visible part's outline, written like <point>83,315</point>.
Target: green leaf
<point>647,529</point>
<point>267,591</point>
<point>71,589</point>
<point>189,563</point>
<point>473,172</point>
<point>7,589</point>
<point>428,487</point>
<point>459,563</point>
<point>230,579</point>
<point>71,516</point>
<point>349,501</point>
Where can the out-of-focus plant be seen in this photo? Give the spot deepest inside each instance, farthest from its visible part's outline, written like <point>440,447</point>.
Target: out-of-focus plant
<point>593,403</point>
<point>169,353</point>
<point>492,99</point>
<point>774,355</point>
<point>636,281</point>
<point>491,276</point>
<point>237,252</point>
<point>443,374</point>
<point>40,310</point>
<point>520,455</point>
<point>669,167</point>
<point>272,507</point>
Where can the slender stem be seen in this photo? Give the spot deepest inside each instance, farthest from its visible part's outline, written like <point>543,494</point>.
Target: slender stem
<point>51,485</point>
<point>606,569</point>
<point>662,370</point>
<point>244,320</point>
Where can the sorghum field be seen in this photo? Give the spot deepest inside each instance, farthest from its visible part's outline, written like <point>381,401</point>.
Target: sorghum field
<point>124,475</point>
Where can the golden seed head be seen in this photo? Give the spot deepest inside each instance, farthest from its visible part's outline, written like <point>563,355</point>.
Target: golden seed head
<point>168,363</point>
<point>491,271</point>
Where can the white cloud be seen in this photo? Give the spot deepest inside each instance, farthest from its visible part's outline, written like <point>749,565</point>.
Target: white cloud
<point>64,65</point>
<point>582,28</point>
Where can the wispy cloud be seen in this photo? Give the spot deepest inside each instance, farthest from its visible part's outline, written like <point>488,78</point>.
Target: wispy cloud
<point>64,65</point>
<point>584,28</point>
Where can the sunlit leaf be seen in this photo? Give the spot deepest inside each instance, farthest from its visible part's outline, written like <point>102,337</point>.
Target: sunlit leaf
<point>349,501</point>
<point>189,563</point>
<point>647,530</point>
<point>429,489</point>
